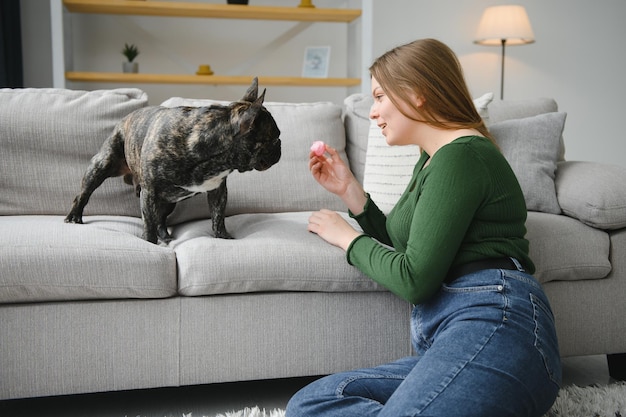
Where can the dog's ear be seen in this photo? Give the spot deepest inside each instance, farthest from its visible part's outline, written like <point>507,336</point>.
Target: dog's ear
<point>253,91</point>
<point>246,119</point>
<point>259,101</point>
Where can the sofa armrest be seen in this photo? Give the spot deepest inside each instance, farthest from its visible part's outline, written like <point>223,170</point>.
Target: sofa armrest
<point>592,192</point>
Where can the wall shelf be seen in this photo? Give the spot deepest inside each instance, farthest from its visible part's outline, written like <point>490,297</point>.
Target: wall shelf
<point>141,78</point>
<point>207,10</point>
<point>359,23</point>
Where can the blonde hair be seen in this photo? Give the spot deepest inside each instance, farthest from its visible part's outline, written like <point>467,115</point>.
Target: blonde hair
<point>429,69</point>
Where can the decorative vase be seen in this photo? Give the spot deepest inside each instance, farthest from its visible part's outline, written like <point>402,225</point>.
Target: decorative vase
<point>237,1</point>
<point>131,67</point>
<point>204,70</point>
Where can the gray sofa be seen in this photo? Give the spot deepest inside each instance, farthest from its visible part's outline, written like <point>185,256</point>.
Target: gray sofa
<point>93,307</point>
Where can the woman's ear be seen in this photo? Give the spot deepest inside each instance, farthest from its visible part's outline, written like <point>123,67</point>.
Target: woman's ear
<point>419,100</point>
<point>415,98</point>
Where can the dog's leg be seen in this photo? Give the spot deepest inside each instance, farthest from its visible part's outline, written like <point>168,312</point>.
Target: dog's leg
<point>154,213</point>
<point>149,215</point>
<point>165,209</point>
<point>217,199</point>
<point>108,162</point>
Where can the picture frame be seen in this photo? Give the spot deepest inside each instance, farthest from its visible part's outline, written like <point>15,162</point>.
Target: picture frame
<point>316,60</point>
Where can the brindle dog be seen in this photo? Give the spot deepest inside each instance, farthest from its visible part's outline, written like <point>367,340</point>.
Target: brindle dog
<point>170,154</point>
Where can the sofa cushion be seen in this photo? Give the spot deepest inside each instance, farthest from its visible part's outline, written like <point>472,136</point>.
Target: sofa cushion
<point>44,259</point>
<point>288,185</point>
<point>531,145</point>
<point>564,249</point>
<point>47,138</point>
<point>388,169</point>
<point>357,125</point>
<point>593,193</point>
<point>500,110</point>
<point>270,252</point>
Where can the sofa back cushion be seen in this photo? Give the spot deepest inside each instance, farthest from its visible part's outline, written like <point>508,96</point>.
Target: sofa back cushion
<point>357,124</point>
<point>501,110</point>
<point>47,138</point>
<point>531,145</point>
<point>288,185</point>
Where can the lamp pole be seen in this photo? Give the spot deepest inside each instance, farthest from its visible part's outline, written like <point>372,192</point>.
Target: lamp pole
<point>502,71</point>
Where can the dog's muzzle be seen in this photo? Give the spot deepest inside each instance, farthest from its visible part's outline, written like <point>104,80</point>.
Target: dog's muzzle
<point>269,156</point>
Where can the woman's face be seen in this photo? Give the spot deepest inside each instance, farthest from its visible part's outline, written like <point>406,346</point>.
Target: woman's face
<point>396,127</point>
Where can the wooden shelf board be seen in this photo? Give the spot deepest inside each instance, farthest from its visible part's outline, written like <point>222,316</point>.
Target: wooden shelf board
<point>141,78</point>
<point>207,10</point>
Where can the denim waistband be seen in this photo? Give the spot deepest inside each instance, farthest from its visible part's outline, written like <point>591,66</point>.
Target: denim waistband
<point>493,263</point>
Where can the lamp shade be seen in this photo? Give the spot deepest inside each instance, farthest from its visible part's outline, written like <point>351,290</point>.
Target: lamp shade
<point>504,23</point>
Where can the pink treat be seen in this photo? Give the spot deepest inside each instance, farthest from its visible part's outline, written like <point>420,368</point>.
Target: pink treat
<point>318,148</point>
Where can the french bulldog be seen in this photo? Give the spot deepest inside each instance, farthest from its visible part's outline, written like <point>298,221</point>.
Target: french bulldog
<point>170,154</point>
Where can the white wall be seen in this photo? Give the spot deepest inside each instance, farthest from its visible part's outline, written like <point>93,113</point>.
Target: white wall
<point>36,47</point>
<point>577,58</point>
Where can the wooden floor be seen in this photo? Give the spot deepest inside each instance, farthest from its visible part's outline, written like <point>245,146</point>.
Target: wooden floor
<point>208,400</point>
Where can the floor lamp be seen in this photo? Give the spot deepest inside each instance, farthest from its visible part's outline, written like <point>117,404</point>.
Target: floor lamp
<point>501,26</point>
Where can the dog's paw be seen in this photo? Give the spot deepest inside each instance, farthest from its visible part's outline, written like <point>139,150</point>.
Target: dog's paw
<point>164,235</point>
<point>73,218</point>
<point>166,240</point>
<point>223,235</point>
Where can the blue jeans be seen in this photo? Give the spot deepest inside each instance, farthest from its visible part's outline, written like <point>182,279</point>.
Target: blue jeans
<point>485,346</point>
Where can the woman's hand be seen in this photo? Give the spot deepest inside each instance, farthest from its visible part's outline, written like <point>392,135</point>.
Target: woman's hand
<point>332,173</point>
<point>333,228</point>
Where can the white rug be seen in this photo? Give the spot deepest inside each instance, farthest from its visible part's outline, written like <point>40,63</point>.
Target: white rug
<point>603,401</point>
<point>573,401</point>
<point>254,412</point>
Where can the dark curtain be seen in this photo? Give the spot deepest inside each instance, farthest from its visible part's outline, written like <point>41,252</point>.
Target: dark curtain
<point>10,45</point>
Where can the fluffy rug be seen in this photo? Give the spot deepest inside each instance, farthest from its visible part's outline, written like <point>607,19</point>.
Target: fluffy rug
<point>254,412</point>
<point>593,401</point>
<point>573,401</point>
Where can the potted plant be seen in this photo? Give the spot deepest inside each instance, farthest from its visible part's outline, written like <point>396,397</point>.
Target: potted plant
<point>130,52</point>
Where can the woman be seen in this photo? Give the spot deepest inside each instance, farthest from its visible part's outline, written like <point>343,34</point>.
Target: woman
<point>482,327</point>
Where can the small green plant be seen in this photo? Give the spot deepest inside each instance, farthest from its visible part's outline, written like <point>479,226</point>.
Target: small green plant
<point>130,52</point>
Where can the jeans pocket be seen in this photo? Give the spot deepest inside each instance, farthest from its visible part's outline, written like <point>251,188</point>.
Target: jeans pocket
<point>545,338</point>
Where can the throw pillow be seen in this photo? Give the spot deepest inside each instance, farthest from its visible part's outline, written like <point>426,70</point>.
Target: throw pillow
<point>388,169</point>
<point>531,145</point>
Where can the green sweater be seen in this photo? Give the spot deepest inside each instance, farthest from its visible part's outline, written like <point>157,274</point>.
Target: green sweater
<point>465,206</point>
